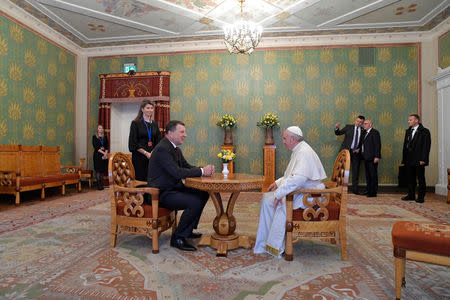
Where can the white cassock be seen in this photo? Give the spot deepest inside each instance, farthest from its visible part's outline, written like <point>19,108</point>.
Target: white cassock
<point>304,171</point>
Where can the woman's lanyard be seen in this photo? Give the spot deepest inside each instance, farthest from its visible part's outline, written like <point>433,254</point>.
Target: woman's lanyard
<point>149,131</point>
<point>101,140</point>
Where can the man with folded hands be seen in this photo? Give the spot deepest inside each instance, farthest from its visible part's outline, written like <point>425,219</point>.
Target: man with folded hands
<point>166,169</point>
<point>304,171</point>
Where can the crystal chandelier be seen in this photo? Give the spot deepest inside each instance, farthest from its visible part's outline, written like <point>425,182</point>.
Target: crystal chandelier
<point>242,36</point>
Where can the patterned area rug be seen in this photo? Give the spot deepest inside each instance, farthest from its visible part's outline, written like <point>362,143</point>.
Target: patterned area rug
<point>59,249</point>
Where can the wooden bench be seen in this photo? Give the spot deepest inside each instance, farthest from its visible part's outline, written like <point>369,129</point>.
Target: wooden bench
<point>416,241</point>
<point>26,168</point>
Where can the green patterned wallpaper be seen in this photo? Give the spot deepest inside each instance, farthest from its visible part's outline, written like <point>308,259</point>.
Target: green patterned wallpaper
<point>36,91</point>
<point>444,51</point>
<point>312,88</point>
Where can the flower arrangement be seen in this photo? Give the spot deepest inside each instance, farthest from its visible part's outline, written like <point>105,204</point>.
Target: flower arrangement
<point>227,121</point>
<point>268,121</point>
<point>226,155</point>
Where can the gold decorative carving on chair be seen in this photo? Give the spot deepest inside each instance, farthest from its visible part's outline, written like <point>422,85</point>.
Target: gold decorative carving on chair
<point>128,211</point>
<point>7,178</point>
<point>324,215</point>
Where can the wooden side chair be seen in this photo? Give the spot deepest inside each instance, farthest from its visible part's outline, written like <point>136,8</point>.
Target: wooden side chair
<point>89,174</point>
<point>128,211</point>
<point>326,214</point>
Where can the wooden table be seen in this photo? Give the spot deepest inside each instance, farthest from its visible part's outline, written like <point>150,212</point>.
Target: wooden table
<point>224,223</point>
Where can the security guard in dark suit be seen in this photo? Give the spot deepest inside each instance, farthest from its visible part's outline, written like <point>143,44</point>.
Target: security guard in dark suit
<point>416,153</point>
<point>353,134</point>
<point>370,148</point>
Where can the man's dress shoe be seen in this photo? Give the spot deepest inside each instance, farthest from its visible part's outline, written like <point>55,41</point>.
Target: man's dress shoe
<point>371,195</point>
<point>364,193</point>
<point>408,198</point>
<point>194,235</point>
<point>182,244</point>
<point>420,200</point>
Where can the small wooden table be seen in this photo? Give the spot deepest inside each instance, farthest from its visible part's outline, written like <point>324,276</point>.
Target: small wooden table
<point>224,223</point>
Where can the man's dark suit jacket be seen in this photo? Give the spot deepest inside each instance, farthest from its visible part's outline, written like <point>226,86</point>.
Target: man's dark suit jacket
<point>166,167</point>
<point>372,145</point>
<point>349,131</point>
<point>418,149</point>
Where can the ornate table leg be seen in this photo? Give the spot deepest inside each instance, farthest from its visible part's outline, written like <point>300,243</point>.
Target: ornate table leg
<point>224,225</point>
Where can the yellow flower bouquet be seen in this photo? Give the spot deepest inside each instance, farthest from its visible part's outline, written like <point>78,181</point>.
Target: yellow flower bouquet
<point>226,156</point>
<point>227,121</point>
<point>268,121</point>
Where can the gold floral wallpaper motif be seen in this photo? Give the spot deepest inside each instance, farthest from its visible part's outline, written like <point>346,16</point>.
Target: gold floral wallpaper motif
<point>312,88</point>
<point>36,91</point>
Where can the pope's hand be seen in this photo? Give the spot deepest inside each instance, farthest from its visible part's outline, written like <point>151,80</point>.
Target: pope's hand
<point>272,187</point>
<point>277,202</point>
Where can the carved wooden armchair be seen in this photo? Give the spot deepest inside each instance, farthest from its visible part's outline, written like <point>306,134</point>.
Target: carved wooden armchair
<point>326,214</point>
<point>128,211</point>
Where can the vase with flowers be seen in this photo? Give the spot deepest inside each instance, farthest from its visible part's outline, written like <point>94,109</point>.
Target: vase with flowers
<point>268,121</point>
<point>227,122</point>
<point>226,156</point>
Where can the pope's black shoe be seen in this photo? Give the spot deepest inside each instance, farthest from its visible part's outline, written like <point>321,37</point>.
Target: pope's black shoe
<point>181,244</point>
<point>420,200</point>
<point>194,235</point>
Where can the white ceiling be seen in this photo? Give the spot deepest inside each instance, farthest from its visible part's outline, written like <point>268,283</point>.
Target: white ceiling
<point>93,23</point>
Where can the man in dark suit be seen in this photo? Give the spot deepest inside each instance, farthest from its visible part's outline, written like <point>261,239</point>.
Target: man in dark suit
<point>370,148</point>
<point>416,152</point>
<point>166,169</point>
<point>353,134</point>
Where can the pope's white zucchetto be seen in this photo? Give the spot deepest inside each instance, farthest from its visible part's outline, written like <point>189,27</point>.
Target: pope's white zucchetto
<point>295,130</point>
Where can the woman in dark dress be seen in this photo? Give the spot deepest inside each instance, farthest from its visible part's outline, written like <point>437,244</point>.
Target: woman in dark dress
<point>144,135</point>
<point>100,143</point>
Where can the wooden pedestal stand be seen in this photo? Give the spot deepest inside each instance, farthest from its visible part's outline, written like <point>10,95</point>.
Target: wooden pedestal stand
<point>269,166</point>
<point>231,163</point>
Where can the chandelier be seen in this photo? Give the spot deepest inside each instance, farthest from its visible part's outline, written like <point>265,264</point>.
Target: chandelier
<point>242,36</point>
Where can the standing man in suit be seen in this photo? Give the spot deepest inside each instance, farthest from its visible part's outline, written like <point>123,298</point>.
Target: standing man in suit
<point>166,169</point>
<point>353,134</point>
<point>416,152</point>
<point>370,147</point>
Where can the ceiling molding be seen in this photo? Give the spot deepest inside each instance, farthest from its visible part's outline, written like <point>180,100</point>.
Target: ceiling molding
<point>33,24</point>
<point>215,44</point>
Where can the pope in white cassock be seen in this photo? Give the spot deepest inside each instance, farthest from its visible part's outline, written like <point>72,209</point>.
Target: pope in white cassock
<point>304,171</point>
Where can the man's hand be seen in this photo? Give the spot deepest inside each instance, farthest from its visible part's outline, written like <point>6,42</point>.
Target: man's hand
<point>338,125</point>
<point>356,150</point>
<point>421,163</point>
<point>272,187</point>
<point>376,160</point>
<point>208,170</point>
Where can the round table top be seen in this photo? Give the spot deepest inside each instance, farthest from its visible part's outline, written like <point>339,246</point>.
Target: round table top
<point>234,182</point>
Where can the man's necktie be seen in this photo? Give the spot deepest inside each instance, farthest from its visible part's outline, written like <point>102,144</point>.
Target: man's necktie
<point>356,139</point>
<point>409,138</point>
<point>177,150</point>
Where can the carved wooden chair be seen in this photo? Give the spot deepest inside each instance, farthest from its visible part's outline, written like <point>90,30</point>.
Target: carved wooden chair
<point>89,174</point>
<point>128,211</point>
<point>326,214</point>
